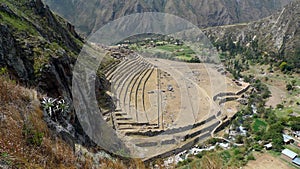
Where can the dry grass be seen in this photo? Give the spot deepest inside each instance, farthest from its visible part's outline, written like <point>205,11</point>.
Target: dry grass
<point>211,162</point>
<point>20,110</point>
<point>208,161</point>
<point>265,160</point>
<point>118,164</point>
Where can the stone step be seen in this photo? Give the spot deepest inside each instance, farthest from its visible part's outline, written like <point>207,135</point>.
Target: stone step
<point>124,70</point>
<point>123,118</point>
<point>124,94</point>
<point>121,66</point>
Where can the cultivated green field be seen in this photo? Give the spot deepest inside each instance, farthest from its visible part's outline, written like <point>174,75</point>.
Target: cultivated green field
<point>259,124</point>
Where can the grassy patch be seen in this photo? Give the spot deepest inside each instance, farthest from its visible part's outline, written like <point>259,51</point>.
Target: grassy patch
<point>176,49</point>
<point>283,113</point>
<point>235,157</point>
<point>274,153</point>
<point>293,148</point>
<point>173,52</point>
<point>259,124</point>
<point>17,23</point>
<point>225,155</point>
<point>184,57</point>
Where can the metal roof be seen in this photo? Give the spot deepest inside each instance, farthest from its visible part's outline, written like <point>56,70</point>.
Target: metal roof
<point>286,138</point>
<point>297,161</point>
<point>289,153</point>
<point>268,145</point>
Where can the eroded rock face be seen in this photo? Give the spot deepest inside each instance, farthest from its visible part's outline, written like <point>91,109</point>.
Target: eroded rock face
<point>64,33</point>
<point>41,55</point>
<point>20,65</point>
<point>56,77</point>
<point>17,48</point>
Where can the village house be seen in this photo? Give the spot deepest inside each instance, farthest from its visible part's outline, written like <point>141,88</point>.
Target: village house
<point>289,153</point>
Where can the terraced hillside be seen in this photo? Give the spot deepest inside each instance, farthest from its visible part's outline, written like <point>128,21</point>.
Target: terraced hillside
<point>164,106</point>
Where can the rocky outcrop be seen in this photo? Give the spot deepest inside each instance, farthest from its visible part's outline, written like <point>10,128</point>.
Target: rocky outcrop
<point>11,56</point>
<point>18,47</point>
<point>56,77</point>
<point>38,49</point>
<point>60,30</point>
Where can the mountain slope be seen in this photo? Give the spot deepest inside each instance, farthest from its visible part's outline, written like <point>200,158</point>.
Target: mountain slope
<point>37,47</point>
<point>38,50</point>
<point>277,37</point>
<point>89,16</point>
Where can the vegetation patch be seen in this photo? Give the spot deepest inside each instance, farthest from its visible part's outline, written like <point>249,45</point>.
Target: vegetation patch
<point>259,124</point>
<point>17,23</point>
<point>32,136</point>
<point>175,52</point>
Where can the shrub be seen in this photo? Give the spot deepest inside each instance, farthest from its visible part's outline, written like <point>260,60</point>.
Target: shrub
<point>56,109</point>
<point>32,136</point>
<point>279,106</point>
<point>257,147</point>
<point>283,66</point>
<point>212,141</point>
<point>3,71</point>
<point>289,87</point>
<point>199,155</point>
<point>4,155</point>
<point>225,155</point>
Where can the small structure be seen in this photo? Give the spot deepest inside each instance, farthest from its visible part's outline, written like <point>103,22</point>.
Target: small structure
<point>243,131</point>
<point>297,161</point>
<point>296,133</point>
<point>287,139</point>
<point>233,133</point>
<point>268,146</point>
<point>195,151</point>
<point>254,109</point>
<point>224,145</point>
<point>289,153</point>
<point>170,88</point>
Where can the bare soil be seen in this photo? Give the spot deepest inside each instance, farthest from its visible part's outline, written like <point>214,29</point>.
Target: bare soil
<point>265,160</point>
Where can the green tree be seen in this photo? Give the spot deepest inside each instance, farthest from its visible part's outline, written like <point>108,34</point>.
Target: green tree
<point>295,124</point>
<point>283,66</point>
<point>289,87</point>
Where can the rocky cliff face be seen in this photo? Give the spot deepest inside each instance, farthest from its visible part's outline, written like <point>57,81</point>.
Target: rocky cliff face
<point>89,16</point>
<point>37,50</point>
<point>37,47</point>
<point>277,35</point>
